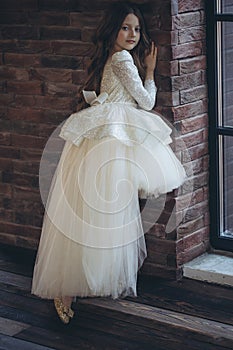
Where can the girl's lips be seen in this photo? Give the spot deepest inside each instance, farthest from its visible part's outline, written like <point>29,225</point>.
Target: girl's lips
<point>130,41</point>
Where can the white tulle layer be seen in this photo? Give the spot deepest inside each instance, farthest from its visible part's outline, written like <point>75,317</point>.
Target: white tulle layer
<point>92,241</point>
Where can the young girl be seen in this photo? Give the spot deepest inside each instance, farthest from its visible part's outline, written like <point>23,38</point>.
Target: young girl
<point>92,241</point>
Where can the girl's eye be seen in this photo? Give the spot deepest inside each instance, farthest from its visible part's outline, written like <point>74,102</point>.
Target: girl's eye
<point>138,29</point>
<point>124,28</point>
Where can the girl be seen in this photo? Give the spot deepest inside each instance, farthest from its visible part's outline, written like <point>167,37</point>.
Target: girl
<point>92,241</point>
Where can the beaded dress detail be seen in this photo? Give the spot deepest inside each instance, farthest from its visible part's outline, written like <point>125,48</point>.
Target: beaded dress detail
<point>92,241</point>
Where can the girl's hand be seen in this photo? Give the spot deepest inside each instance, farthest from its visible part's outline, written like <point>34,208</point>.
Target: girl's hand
<point>150,59</point>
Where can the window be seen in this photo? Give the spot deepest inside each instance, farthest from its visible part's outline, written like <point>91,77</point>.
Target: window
<point>220,82</point>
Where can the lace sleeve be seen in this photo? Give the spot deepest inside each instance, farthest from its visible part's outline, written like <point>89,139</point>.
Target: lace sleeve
<point>126,71</point>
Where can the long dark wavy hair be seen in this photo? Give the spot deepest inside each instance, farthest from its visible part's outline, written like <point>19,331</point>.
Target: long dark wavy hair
<point>104,41</point>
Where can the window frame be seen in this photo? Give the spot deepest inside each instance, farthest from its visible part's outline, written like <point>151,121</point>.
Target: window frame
<point>213,17</point>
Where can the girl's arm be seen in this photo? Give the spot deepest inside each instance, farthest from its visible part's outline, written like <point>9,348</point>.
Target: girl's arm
<point>126,71</point>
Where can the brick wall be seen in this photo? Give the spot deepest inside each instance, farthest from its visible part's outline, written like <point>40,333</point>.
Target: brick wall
<point>182,98</point>
<point>44,53</point>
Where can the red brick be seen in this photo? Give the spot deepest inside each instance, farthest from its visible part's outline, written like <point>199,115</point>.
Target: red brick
<point>160,19</point>
<point>7,215</point>
<point>79,76</point>
<point>194,252</point>
<point>70,48</point>
<point>26,141</point>
<point>25,114</point>
<point>187,81</point>
<point>87,34</point>
<point>60,33</point>
<point>190,199</point>
<point>33,195</point>
<point>67,62</point>
<point>165,53</point>
<point>24,88</point>
<point>193,94</point>
<point>55,116</point>
<point>191,226</point>
<point>194,123</point>
<point>5,164</point>
<point>168,98</point>
<point>164,83</point>
<point>194,138</point>
<point>190,19</point>
<point>7,72</point>
<point>26,166</point>
<point>196,152</point>
<point>206,163</point>
<point>191,34</point>
<point>196,211</point>
<point>190,5</point>
<point>6,99</point>
<point>167,68</point>
<point>192,64</point>
<point>156,258</point>
<point>6,190</point>
<point>161,245</point>
<point>9,152</point>
<point>12,228</point>
<point>158,230</point>
<point>23,101</point>
<point>201,180</point>
<point>164,37</point>
<point>30,154</point>
<point>29,128</point>
<point>34,46</point>
<point>61,89</point>
<point>62,103</point>
<point>187,50</point>
<point>19,32</point>
<point>195,167</point>
<point>5,138</point>
<point>80,20</point>
<point>22,60</point>
<point>51,74</point>
<point>190,109</point>
<point>151,215</point>
<point>49,18</point>
<point>7,238</point>
<point>26,180</point>
<point>8,46</point>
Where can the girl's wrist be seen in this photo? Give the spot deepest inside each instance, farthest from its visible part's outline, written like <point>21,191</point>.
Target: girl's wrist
<point>150,74</point>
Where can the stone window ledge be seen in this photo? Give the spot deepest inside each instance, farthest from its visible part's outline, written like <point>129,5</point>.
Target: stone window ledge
<point>213,268</point>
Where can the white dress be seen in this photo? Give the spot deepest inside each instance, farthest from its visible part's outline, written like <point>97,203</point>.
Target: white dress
<point>92,241</point>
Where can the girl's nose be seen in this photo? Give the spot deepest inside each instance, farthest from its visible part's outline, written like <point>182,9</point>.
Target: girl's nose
<point>133,33</point>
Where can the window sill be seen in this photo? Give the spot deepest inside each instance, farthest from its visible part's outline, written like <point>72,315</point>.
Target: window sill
<point>212,268</point>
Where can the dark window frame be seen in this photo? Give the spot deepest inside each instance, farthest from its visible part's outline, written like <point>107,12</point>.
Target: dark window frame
<point>218,241</point>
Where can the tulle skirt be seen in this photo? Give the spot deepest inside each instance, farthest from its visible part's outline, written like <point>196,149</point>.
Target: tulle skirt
<point>92,241</point>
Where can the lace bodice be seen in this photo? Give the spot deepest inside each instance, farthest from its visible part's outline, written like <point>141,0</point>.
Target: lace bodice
<point>114,112</point>
<point>122,82</point>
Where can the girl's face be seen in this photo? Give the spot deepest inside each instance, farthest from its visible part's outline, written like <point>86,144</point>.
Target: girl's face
<point>129,34</point>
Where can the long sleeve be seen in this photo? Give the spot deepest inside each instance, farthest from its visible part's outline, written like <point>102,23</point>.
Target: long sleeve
<point>126,71</point>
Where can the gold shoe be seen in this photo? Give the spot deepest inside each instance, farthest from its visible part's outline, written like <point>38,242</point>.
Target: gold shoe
<point>68,311</point>
<point>62,310</point>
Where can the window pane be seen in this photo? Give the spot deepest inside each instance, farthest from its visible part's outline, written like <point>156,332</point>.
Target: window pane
<point>225,6</point>
<point>226,185</point>
<point>227,73</point>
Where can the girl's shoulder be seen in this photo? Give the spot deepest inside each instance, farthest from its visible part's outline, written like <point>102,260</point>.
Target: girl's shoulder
<point>123,55</point>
